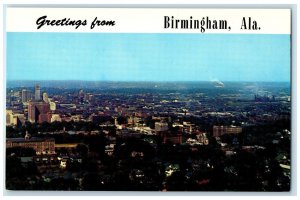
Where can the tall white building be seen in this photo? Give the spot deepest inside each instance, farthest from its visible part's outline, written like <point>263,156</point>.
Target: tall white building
<point>45,97</point>
<point>37,93</point>
<point>25,95</point>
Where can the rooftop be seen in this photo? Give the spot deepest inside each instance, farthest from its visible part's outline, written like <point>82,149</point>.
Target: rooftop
<point>33,139</point>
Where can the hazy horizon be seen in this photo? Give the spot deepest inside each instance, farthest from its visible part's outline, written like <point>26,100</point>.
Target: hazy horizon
<point>133,81</point>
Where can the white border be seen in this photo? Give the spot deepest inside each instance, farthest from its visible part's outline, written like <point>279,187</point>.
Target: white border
<point>150,20</point>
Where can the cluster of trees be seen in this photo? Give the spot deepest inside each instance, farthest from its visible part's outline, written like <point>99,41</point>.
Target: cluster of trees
<point>46,129</point>
<point>207,169</point>
<point>201,168</point>
<point>16,173</point>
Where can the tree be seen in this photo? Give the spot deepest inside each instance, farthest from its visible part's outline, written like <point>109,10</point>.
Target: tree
<point>150,122</point>
<point>21,151</point>
<point>82,150</point>
<point>13,167</point>
<point>176,182</point>
<point>91,182</point>
<point>122,120</point>
<point>96,143</point>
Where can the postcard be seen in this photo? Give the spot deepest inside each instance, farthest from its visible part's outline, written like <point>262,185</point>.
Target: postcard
<point>148,99</point>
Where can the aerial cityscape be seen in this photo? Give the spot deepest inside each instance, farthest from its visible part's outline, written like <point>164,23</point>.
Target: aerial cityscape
<point>185,136</point>
<point>148,112</point>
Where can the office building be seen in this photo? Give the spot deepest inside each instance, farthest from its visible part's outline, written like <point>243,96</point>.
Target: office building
<point>9,114</point>
<point>221,130</point>
<point>40,145</point>
<point>174,138</point>
<point>161,126</point>
<point>52,106</point>
<point>38,112</point>
<point>45,97</point>
<point>37,93</point>
<point>25,95</point>
<point>13,119</point>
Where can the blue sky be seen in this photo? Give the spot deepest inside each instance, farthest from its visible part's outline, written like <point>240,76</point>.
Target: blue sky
<point>147,57</point>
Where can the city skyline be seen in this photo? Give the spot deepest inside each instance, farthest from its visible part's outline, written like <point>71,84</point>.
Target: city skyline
<point>148,57</point>
<point>139,137</point>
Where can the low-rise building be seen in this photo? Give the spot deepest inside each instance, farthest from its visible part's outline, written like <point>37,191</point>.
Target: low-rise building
<point>40,145</point>
<point>221,130</point>
<point>161,126</point>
